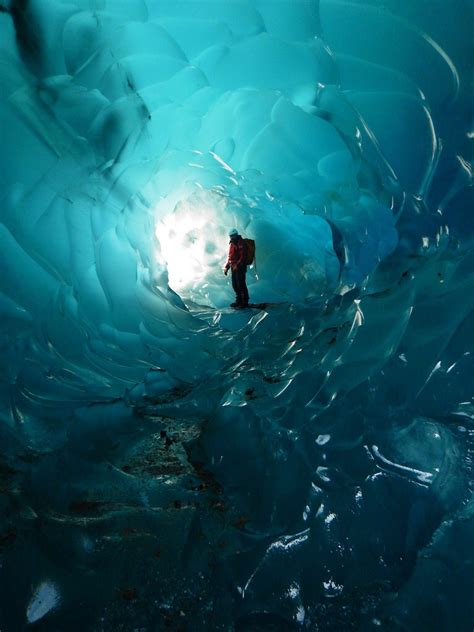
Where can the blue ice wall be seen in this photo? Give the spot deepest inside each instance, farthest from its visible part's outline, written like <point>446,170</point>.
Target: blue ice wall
<point>165,460</point>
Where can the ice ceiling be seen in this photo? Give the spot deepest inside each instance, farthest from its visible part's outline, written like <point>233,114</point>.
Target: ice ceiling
<point>166,462</point>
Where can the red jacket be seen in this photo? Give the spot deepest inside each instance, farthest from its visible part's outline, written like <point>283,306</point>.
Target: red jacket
<point>236,254</point>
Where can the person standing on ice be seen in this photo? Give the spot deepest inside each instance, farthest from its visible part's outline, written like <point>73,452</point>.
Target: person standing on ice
<point>237,262</point>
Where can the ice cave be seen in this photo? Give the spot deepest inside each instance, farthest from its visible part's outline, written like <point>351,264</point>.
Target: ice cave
<point>168,462</point>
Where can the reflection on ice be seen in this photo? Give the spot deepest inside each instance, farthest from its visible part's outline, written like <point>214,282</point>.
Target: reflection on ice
<point>46,597</point>
<point>422,477</point>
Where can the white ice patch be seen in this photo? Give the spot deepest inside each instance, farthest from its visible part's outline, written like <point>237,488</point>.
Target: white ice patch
<point>332,589</point>
<point>300,614</point>
<point>45,598</point>
<point>322,439</point>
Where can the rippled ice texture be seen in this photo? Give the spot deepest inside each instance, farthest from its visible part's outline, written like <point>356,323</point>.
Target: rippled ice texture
<point>166,462</point>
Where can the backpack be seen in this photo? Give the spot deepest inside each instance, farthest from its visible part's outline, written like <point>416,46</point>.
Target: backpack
<point>249,251</point>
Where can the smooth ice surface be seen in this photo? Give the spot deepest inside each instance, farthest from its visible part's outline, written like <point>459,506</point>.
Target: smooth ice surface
<point>167,462</point>
<point>45,598</point>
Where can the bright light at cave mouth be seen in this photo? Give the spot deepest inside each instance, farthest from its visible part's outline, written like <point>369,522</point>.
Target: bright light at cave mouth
<point>192,245</point>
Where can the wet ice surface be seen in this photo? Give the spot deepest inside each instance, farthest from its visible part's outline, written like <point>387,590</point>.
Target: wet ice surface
<point>167,462</point>
<point>45,599</point>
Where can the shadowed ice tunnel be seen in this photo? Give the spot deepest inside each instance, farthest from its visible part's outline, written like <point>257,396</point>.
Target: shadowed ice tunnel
<point>166,462</point>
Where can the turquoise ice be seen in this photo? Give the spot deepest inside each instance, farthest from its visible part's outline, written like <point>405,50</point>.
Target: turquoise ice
<point>167,461</point>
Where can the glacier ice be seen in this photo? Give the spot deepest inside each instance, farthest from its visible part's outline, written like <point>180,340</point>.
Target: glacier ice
<point>166,462</point>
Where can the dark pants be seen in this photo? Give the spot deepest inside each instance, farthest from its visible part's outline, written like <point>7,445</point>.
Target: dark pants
<point>240,286</point>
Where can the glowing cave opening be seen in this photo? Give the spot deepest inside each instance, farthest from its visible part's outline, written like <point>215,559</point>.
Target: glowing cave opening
<point>192,244</point>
